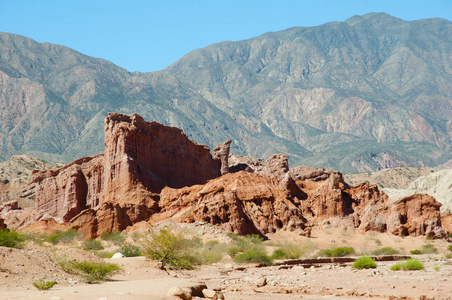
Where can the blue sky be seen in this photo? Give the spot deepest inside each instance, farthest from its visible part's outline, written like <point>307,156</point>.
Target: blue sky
<point>146,36</point>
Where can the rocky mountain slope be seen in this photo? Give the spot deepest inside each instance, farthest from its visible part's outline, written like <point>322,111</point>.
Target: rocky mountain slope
<point>392,178</point>
<point>368,93</point>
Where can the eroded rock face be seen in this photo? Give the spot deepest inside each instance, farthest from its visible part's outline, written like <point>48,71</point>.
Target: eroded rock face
<point>248,203</point>
<point>64,192</point>
<point>275,166</point>
<point>221,153</point>
<point>140,159</point>
<point>242,202</point>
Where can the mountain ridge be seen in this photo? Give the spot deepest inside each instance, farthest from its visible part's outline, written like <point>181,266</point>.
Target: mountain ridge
<point>359,95</point>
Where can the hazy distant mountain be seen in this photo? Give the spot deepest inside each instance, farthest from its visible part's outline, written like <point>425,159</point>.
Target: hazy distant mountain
<point>371,92</point>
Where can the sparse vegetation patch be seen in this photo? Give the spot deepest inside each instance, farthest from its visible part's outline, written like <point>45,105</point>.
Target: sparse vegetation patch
<point>44,285</point>
<point>408,265</point>
<point>11,239</point>
<point>364,262</point>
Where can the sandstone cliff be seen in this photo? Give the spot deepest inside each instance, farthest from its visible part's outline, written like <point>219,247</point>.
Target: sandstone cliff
<point>140,158</point>
<point>150,172</point>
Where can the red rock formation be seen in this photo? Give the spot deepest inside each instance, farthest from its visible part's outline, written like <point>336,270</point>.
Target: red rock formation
<point>140,159</point>
<point>2,224</point>
<point>446,223</point>
<point>241,202</point>
<point>250,203</point>
<point>275,166</point>
<point>221,153</point>
<point>48,226</point>
<point>416,215</point>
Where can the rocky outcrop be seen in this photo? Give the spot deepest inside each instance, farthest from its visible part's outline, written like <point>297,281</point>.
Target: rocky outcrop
<point>275,166</point>
<point>436,184</point>
<point>140,158</point>
<point>2,224</point>
<point>310,173</point>
<point>111,216</point>
<point>221,153</point>
<point>247,203</point>
<point>416,215</point>
<point>242,202</point>
<point>65,192</point>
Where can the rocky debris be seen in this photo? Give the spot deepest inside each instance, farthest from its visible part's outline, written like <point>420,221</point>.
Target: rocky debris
<point>14,216</point>
<point>113,190</point>
<point>180,292</point>
<point>221,153</point>
<point>212,294</point>
<point>187,292</point>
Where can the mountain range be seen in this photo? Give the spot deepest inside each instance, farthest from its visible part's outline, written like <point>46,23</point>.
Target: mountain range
<point>368,93</point>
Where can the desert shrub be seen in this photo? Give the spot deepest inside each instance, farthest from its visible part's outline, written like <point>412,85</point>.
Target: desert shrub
<point>448,255</point>
<point>253,255</point>
<point>429,249</point>
<point>248,249</point>
<point>113,236</point>
<point>130,250</point>
<point>364,262</point>
<point>169,248</point>
<point>449,247</point>
<point>396,267</point>
<point>408,265</point>
<point>232,251</point>
<point>11,239</point>
<point>436,268</point>
<point>93,245</point>
<point>94,272</point>
<point>104,254</point>
<point>62,236</point>
<point>43,284</point>
<point>385,251</point>
<point>337,252</point>
<point>287,252</point>
<point>416,251</point>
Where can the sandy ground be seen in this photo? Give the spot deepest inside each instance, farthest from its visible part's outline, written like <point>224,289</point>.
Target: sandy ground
<point>141,278</point>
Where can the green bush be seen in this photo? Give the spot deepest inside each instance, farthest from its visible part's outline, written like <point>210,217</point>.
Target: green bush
<point>11,239</point>
<point>248,249</point>
<point>364,262</point>
<point>429,249</point>
<point>449,247</point>
<point>253,255</point>
<point>93,245</point>
<point>104,254</point>
<point>232,251</point>
<point>44,285</point>
<point>169,248</point>
<point>338,252</point>
<point>130,250</point>
<point>385,251</point>
<point>94,272</point>
<point>408,265</point>
<point>62,236</point>
<point>416,251</point>
<point>287,252</point>
<point>113,236</point>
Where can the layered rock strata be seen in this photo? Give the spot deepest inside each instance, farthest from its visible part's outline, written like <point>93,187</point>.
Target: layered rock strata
<point>248,203</point>
<point>152,172</point>
<point>140,159</point>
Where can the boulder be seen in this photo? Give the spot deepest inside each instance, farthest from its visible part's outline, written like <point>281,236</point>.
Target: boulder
<point>275,166</point>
